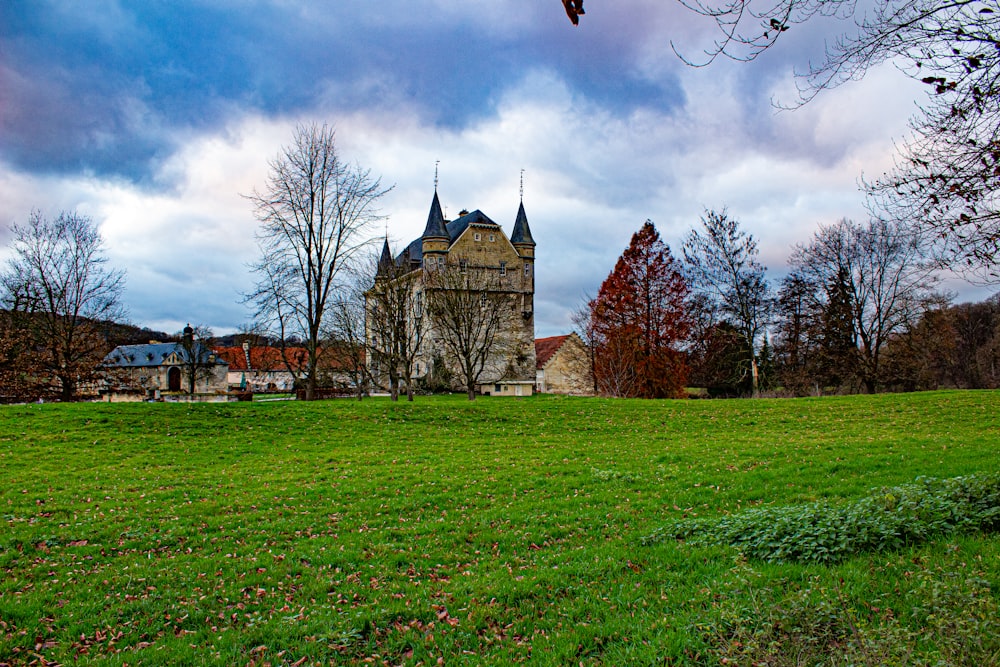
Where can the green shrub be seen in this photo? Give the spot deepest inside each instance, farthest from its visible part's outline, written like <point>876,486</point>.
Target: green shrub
<point>953,620</point>
<point>886,519</point>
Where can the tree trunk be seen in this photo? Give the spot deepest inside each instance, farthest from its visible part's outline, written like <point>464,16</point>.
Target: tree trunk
<point>68,388</point>
<point>311,384</point>
<point>755,373</point>
<point>471,389</point>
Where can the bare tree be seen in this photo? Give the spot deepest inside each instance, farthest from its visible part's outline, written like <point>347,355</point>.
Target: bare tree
<point>883,270</point>
<point>723,269</point>
<point>60,288</point>
<point>472,314</point>
<point>350,318</point>
<point>313,213</point>
<point>947,176</point>
<point>946,180</point>
<point>617,373</point>
<point>198,360</point>
<point>397,322</point>
<point>349,333</point>
<point>253,334</point>
<point>584,321</point>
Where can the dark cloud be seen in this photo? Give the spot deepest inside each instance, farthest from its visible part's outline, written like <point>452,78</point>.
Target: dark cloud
<point>111,88</point>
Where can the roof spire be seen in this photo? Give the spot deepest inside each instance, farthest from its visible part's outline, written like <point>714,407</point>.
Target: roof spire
<point>385,261</point>
<point>522,186</point>
<point>435,221</point>
<point>521,233</point>
<point>436,163</point>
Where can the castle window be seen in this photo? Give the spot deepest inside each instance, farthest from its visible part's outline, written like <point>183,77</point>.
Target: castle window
<point>441,260</point>
<point>482,300</point>
<point>479,237</point>
<point>493,237</point>
<point>503,268</point>
<point>527,269</point>
<point>418,306</point>
<point>463,265</point>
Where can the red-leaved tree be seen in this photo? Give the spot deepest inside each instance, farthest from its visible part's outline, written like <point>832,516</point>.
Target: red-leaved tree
<point>639,321</point>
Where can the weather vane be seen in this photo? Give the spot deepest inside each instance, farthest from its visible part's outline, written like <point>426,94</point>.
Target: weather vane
<point>436,163</point>
<point>522,185</point>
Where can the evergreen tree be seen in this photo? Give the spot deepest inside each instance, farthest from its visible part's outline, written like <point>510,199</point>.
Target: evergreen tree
<point>838,351</point>
<point>639,320</point>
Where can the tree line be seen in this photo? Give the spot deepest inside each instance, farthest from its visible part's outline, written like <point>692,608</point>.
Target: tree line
<point>859,311</point>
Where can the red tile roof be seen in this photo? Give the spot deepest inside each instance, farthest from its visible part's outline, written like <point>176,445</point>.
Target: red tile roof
<point>269,358</point>
<point>546,347</point>
<point>262,358</point>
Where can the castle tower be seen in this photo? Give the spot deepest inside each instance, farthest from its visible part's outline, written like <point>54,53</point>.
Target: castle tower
<point>385,262</point>
<point>435,239</point>
<point>522,241</point>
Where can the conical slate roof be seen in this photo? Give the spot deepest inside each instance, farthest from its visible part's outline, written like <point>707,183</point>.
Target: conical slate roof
<point>385,261</point>
<point>522,233</point>
<point>435,228</point>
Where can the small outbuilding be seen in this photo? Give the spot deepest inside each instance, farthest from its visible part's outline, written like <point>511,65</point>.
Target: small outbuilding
<point>563,365</point>
<point>263,368</point>
<point>166,367</point>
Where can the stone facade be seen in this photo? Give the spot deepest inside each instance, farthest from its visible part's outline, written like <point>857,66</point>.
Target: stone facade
<point>162,367</point>
<point>261,368</point>
<point>449,253</point>
<point>563,366</point>
<point>166,367</point>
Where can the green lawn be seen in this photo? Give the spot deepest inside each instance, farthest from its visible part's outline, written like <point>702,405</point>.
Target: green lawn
<point>492,532</point>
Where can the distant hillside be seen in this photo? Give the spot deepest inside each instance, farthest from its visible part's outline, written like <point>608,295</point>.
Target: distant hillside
<point>129,334</point>
<point>256,340</point>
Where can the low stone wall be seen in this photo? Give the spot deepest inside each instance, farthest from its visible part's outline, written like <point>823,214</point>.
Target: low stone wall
<point>157,397</point>
<point>124,396</point>
<point>199,398</point>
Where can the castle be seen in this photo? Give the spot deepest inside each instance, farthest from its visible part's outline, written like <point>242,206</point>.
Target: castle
<point>464,297</point>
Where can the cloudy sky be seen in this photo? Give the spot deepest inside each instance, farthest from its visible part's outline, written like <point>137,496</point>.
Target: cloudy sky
<point>155,118</point>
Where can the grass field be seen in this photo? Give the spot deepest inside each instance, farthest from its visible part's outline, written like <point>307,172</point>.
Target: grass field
<point>492,532</point>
